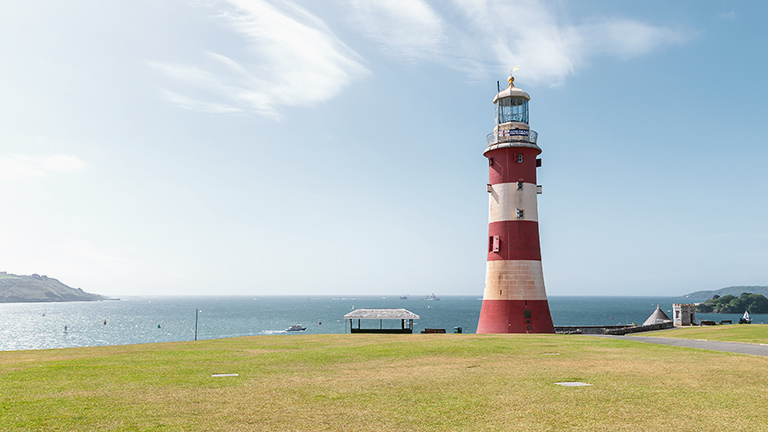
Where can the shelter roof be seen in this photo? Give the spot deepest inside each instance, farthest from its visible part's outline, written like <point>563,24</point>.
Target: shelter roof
<point>657,317</point>
<point>381,314</point>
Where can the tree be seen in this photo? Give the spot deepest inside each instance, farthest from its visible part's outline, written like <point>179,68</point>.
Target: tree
<point>754,303</point>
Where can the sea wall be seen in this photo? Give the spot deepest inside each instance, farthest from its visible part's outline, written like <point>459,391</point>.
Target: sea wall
<point>611,330</point>
<point>587,329</point>
<point>638,329</point>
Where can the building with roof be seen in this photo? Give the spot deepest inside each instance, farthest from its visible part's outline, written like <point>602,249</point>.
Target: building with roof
<point>406,318</point>
<point>684,313</point>
<point>657,317</point>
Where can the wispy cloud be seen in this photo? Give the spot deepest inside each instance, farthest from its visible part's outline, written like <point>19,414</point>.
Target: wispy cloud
<point>623,38</point>
<point>482,36</point>
<point>407,28</point>
<point>17,166</point>
<point>287,57</point>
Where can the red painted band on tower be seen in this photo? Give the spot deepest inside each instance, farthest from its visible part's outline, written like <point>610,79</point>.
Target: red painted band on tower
<point>506,168</point>
<point>515,316</point>
<point>518,240</point>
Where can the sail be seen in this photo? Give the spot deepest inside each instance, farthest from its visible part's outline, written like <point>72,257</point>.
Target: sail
<point>746,316</point>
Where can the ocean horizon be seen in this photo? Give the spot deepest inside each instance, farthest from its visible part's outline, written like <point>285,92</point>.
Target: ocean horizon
<point>152,319</point>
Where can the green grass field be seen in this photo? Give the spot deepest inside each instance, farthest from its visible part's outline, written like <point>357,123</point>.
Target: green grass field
<point>453,382</point>
<point>752,333</point>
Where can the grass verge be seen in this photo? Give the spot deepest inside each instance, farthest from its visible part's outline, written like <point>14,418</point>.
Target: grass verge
<point>752,333</point>
<point>384,382</point>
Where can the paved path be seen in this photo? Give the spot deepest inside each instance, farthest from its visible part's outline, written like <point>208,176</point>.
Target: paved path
<point>734,347</point>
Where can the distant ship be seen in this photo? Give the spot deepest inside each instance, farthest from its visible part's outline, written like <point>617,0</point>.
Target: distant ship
<point>405,297</point>
<point>431,297</point>
<point>296,328</point>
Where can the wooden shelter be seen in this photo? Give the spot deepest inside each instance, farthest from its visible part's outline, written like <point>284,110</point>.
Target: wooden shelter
<point>406,318</point>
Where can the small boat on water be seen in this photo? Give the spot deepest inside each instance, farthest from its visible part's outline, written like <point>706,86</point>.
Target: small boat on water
<point>296,328</point>
<point>431,297</point>
<point>405,297</point>
<point>745,319</point>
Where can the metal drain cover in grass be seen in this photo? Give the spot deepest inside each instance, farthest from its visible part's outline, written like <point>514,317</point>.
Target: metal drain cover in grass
<point>224,375</point>
<point>573,384</point>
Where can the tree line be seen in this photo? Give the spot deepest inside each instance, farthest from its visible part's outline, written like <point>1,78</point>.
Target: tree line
<point>754,303</point>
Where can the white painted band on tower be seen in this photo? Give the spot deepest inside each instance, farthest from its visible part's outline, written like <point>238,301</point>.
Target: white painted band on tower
<point>514,280</point>
<point>505,199</point>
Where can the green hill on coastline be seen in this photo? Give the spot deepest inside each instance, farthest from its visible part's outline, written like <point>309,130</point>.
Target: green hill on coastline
<point>36,288</point>
<point>732,290</point>
<point>754,303</point>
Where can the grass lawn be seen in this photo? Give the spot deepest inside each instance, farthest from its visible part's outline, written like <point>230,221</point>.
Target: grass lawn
<point>452,382</point>
<point>752,333</point>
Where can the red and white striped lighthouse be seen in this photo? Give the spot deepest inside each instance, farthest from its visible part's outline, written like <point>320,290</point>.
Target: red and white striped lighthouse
<point>514,300</point>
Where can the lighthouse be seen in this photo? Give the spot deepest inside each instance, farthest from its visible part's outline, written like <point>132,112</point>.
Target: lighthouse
<point>514,300</point>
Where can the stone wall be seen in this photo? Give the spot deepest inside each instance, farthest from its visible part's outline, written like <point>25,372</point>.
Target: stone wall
<point>638,329</point>
<point>586,329</point>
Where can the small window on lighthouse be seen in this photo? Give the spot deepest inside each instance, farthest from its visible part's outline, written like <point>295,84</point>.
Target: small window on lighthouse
<point>519,158</point>
<point>519,213</point>
<point>519,185</point>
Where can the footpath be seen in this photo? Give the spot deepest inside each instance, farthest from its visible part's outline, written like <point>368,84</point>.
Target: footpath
<point>733,347</point>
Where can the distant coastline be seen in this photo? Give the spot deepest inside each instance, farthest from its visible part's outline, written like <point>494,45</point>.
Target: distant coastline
<point>35,289</point>
<point>732,290</point>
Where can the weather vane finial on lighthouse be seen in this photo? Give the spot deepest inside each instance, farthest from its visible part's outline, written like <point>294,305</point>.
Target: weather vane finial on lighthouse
<point>511,79</point>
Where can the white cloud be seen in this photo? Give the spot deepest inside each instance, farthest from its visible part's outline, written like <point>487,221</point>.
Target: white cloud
<point>196,105</point>
<point>287,57</point>
<point>484,36</point>
<point>549,50</point>
<point>622,38</point>
<point>21,166</point>
<point>407,28</point>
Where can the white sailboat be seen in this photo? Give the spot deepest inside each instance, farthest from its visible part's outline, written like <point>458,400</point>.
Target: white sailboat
<point>745,319</point>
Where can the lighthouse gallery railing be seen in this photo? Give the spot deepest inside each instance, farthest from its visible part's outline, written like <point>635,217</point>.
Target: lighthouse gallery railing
<point>493,138</point>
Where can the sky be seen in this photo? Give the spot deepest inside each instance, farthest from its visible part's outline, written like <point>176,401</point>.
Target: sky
<point>335,147</point>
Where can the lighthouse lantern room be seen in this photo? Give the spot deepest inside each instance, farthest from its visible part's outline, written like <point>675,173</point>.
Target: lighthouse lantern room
<point>514,300</point>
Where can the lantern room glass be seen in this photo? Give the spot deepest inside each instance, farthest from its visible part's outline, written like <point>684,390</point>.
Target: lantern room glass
<point>512,109</point>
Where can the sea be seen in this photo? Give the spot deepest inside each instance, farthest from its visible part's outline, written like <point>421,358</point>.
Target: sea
<point>139,320</point>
